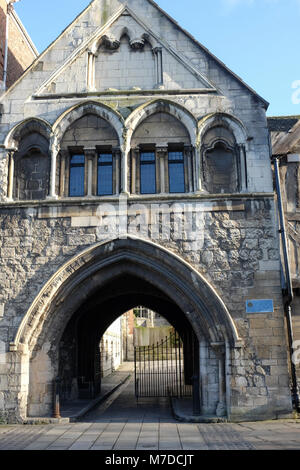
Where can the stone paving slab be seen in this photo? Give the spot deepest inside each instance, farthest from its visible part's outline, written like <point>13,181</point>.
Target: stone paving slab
<point>154,436</point>
<point>124,424</point>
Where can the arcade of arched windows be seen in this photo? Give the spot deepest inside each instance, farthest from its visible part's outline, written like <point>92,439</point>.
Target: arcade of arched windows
<point>162,160</point>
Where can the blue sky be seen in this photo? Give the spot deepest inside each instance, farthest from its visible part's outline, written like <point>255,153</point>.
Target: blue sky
<point>257,39</point>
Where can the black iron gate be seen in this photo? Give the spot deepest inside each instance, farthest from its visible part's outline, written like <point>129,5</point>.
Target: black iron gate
<point>159,369</point>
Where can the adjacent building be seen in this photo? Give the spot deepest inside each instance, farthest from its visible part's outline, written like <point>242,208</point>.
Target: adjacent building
<point>285,139</point>
<point>15,44</point>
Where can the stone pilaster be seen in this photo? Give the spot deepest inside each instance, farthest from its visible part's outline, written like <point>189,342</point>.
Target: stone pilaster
<point>6,173</point>
<point>55,149</point>
<point>219,350</point>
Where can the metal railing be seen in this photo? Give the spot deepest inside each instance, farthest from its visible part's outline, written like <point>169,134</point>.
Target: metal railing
<point>159,369</point>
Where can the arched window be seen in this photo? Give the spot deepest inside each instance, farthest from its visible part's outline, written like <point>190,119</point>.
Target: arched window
<point>221,164</point>
<point>161,157</point>
<point>90,158</point>
<point>32,168</point>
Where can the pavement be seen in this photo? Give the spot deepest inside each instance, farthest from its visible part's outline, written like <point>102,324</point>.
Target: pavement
<point>122,423</point>
<point>77,408</point>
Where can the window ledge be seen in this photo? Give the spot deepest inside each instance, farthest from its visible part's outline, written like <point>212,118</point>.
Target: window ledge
<point>136,197</point>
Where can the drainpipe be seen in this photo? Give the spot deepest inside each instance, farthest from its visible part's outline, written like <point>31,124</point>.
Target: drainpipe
<point>8,11</point>
<point>290,295</point>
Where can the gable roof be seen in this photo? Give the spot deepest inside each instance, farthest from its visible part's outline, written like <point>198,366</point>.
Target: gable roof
<point>239,79</point>
<point>163,12</point>
<point>285,134</point>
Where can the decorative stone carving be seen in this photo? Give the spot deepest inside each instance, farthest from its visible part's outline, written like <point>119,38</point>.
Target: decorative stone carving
<point>110,42</point>
<point>137,43</point>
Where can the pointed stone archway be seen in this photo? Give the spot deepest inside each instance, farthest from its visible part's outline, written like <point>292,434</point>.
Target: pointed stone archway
<point>167,280</point>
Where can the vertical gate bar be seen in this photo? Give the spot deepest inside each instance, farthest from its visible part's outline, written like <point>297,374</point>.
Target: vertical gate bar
<point>158,375</point>
<point>176,355</point>
<point>180,367</point>
<point>149,371</point>
<point>135,373</point>
<point>152,369</point>
<point>162,367</point>
<point>155,362</point>
<point>156,369</point>
<point>153,365</point>
<point>171,351</point>
<point>168,352</point>
<point>140,372</point>
<point>166,369</point>
<point>144,371</point>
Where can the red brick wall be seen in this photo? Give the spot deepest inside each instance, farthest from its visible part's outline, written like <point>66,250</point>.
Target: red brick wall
<point>20,55</point>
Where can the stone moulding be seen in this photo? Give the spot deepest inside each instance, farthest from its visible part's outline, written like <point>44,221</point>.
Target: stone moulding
<point>122,93</point>
<point>142,198</point>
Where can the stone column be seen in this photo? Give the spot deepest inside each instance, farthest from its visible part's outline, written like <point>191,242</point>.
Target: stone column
<point>135,174</point>
<point>90,156</point>
<point>116,152</point>
<point>55,148</point>
<point>197,170</point>
<point>204,377</point>
<point>188,168</point>
<point>243,168</point>
<point>162,156</point>
<point>124,172</point>
<point>221,409</point>
<point>11,171</point>
<point>91,72</point>
<point>64,174</point>
<point>159,67</point>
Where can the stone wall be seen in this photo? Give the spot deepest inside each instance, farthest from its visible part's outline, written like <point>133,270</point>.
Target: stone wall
<point>218,251</point>
<point>238,254</point>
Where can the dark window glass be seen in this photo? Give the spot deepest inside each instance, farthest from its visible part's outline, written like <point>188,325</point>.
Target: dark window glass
<point>148,177</point>
<point>222,174</point>
<point>176,172</point>
<point>76,186</point>
<point>105,174</point>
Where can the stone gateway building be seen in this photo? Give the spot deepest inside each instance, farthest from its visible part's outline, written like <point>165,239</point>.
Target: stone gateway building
<point>135,170</point>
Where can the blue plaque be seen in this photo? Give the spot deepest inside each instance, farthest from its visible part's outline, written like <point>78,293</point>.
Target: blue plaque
<point>259,306</point>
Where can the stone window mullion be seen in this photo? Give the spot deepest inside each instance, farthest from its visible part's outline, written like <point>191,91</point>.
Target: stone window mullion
<point>90,158</point>
<point>64,165</point>
<point>243,168</point>
<point>11,172</point>
<point>198,169</point>
<point>135,162</point>
<point>162,164</point>
<point>188,168</point>
<point>116,152</point>
<point>67,173</point>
